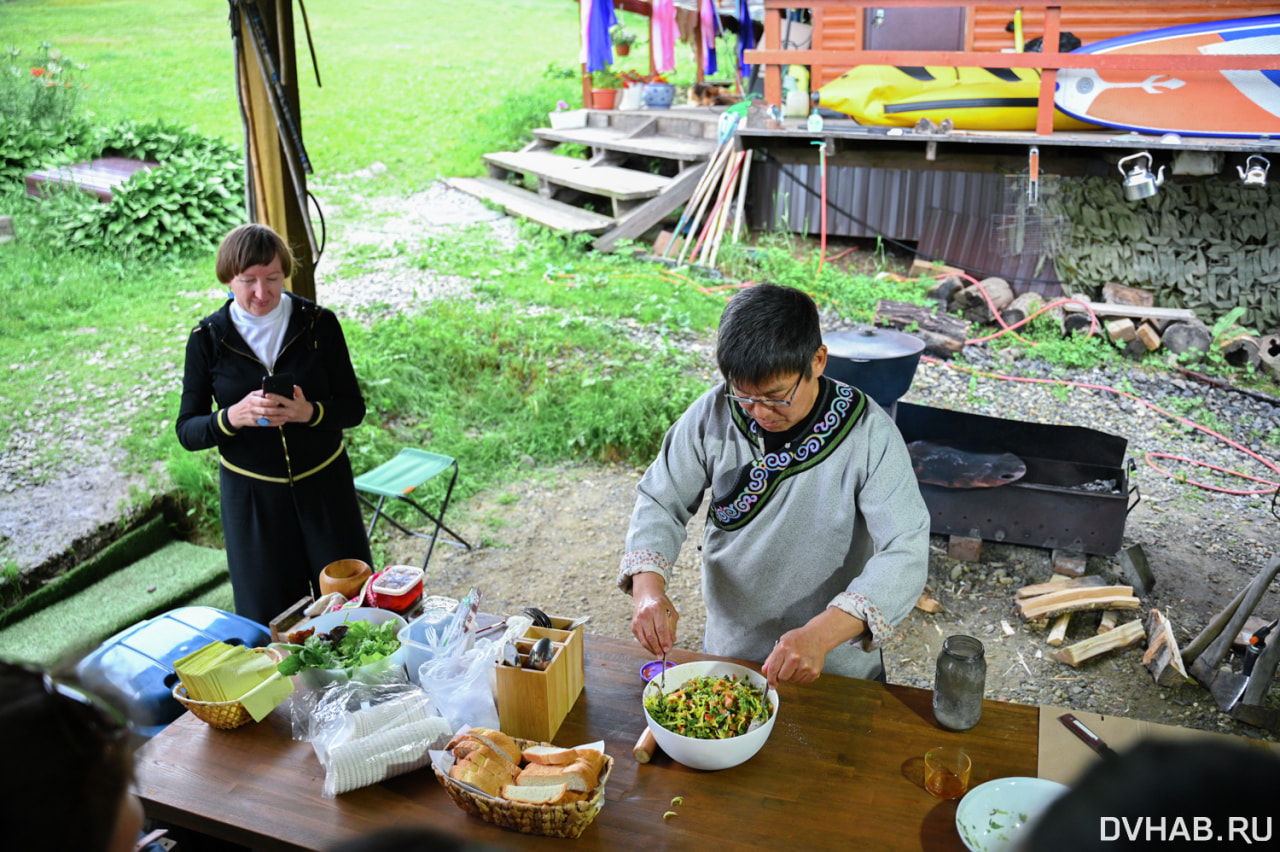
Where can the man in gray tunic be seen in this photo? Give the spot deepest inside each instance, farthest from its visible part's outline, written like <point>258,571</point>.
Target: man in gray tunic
<point>817,538</point>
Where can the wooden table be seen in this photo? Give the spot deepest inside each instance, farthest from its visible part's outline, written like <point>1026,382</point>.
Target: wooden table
<point>843,769</point>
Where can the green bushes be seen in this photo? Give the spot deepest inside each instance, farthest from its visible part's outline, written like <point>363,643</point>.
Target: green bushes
<point>39,108</point>
<point>184,205</point>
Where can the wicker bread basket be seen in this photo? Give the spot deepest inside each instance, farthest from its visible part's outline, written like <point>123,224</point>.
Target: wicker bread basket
<point>224,715</point>
<point>550,820</point>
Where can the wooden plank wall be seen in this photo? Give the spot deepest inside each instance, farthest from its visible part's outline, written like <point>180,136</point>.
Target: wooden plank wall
<point>841,28</point>
<point>1091,25</point>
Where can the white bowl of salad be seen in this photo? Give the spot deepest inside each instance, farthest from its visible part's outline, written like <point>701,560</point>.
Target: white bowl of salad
<point>364,647</point>
<point>710,714</point>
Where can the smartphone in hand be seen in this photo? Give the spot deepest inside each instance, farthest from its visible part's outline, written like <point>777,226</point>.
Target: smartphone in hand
<point>280,383</point>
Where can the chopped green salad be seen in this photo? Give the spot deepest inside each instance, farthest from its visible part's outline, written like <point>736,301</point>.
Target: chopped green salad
<point>710,707</point>
<point>346,646</point>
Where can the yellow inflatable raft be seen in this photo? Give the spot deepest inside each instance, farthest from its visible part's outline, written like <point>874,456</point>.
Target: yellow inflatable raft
<point>973,98</point>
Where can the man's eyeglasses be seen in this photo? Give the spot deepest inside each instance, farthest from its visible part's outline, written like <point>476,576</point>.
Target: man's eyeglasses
<point>745,401</point>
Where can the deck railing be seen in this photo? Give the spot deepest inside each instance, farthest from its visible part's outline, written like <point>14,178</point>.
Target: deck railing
<point>1049,61</point>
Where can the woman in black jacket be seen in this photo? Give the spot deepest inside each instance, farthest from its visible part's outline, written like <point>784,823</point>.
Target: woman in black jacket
<point>289,505</point>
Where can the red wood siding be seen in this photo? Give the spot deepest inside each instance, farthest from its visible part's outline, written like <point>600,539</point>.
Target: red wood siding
<point>1090,25</point>
<point>835,29</point>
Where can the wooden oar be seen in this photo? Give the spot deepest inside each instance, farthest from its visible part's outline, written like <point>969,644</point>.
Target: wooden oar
<point>698,191</point>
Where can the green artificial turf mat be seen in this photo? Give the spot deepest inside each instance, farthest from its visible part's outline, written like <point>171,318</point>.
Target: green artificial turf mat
<point>157,583</point>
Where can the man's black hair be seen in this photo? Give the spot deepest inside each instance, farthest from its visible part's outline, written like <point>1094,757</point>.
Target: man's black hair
<point>767,331</point>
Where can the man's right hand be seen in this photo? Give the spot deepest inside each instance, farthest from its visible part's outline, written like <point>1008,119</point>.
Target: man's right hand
<point>654,618</point>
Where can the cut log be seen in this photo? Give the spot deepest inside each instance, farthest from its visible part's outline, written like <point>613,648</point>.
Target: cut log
<point>1058,583</point>
<point>925,603</point>
<point>1022,307</point>
<point>1134,569</point>
<point>1149,336</point>
<point>943,289</point>
<point>1121,637</point>
<point>943,335</point>
<point>1162,658</point>
<point>1119,294</point>
<point>1269,355</point>
<point>1077,600</point>
<point>1103,309</point>
<point>1121,330</point>
<point>971,302</point>
<point>1182,337</point>
<point>1240,349</point>
<point>1058,632</point>
<point>1108,621</point>
<point>922,267</point>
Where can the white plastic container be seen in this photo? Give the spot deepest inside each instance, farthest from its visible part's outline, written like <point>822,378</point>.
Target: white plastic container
<point>420,639</point>
<point>568,120</point>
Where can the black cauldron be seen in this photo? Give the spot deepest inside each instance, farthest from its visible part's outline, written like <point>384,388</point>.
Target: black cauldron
<point>880,362</point>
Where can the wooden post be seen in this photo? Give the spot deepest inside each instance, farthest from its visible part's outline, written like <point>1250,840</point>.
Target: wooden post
<point>1048,76</point>
<point>277,191</point>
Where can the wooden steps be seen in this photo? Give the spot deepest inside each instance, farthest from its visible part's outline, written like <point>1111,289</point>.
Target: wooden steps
<point>553,171</point>
<point>684,150</point>
<point>638,199</point>
<point>545,211</point>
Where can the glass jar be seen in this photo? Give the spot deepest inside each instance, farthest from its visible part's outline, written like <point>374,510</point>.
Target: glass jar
<point>959,683</point>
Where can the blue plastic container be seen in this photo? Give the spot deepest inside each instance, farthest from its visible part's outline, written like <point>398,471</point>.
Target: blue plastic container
<point>135,666</point>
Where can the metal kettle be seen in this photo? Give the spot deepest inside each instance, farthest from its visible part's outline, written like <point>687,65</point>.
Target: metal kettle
<point>1139,183</point>
<point>1254,174</point>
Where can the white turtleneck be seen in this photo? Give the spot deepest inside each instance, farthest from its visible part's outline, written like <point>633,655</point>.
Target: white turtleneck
<point>264,334</point>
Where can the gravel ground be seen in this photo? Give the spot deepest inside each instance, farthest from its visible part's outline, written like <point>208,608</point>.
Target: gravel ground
<point>555,539</point>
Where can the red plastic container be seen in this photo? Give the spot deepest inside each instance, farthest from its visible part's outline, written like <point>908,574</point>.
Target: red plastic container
<point>396,588</point>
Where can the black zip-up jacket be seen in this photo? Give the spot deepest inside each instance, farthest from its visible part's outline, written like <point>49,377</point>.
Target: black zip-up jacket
<point>221,369</point>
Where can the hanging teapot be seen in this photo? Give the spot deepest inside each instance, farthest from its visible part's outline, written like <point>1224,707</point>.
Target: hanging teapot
<point>1254,174</point>
<point>1139,183</point>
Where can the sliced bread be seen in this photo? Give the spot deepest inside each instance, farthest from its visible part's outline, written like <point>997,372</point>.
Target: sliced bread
<point>468,746</point>
<point>499,742</point>
<point>550,755</point>
<point>548,794</point>
<point>579,776</point>
<point>479,777</point>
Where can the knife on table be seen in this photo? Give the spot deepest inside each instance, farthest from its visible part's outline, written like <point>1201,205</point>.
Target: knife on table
<point>1092,740</point>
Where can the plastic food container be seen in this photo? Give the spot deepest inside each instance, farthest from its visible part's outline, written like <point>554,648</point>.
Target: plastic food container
<point>397,588</point>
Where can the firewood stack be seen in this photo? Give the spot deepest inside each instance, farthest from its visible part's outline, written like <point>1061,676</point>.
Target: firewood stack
<point>1128,317</point>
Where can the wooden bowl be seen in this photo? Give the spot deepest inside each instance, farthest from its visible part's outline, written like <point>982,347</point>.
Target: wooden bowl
<point>346,576</point>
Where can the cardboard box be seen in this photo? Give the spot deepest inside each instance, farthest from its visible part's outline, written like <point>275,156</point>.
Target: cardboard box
<point>532,704</point>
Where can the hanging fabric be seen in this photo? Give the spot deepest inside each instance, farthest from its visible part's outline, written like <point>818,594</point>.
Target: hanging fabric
<point>710,23</point>
<point>746,37</point>
<point>599,44</point>
<point>662,35</point>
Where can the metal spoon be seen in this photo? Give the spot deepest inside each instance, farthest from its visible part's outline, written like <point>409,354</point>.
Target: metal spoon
<point>541,653</point>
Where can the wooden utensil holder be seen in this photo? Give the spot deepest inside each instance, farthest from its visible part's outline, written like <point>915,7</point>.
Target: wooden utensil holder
<point>531,703</point>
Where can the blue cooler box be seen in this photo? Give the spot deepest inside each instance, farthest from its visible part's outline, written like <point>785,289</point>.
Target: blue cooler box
<point>135,666</point>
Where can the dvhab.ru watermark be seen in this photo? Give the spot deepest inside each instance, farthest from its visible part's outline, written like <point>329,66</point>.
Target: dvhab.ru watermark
<point>1245,830</point>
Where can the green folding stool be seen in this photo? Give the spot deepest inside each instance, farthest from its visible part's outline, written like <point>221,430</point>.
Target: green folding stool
<point>397,479</point>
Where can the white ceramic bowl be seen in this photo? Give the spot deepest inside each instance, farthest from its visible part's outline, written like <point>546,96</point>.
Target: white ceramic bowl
<point>710,754</point>
<point>991,815</point>
<point>375,672</point>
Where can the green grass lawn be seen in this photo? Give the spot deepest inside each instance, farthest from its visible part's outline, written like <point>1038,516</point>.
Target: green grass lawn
<point>420,86</point>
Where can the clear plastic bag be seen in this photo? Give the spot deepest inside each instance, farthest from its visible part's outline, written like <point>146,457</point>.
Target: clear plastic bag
<point>365,733</point>
<point>461,686</point>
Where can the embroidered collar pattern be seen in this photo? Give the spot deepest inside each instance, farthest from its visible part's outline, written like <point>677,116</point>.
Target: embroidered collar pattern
<point>759,481</point>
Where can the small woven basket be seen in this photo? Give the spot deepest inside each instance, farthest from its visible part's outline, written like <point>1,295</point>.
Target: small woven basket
<point>224,715</point>
<point>549,820</point>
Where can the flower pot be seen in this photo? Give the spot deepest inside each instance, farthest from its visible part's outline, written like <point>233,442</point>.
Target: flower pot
<point>658,95</point>
<point>623,49</point>
<point>603,98</point>
<point>632,96</point>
